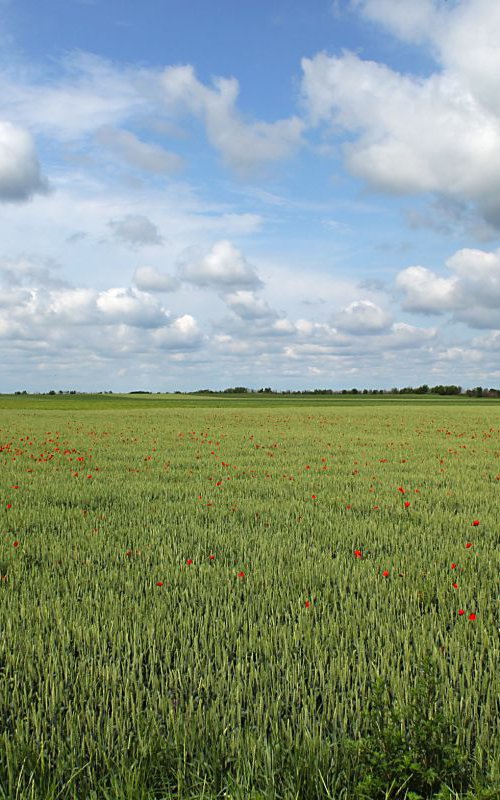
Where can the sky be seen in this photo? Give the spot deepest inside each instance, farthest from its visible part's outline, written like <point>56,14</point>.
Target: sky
<point>257,193</point>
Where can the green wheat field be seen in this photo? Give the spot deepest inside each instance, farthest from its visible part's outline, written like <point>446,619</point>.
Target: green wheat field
<point>249,598</point>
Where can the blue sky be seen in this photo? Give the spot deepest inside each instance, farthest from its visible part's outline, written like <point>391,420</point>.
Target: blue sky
<point>275,193</point>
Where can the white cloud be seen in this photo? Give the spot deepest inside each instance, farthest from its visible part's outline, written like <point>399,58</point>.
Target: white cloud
<point>142,155</point>
<point>131,307</point>
<point>20,171</point>
<point>224,267</point>
<point>136,230</point>
<point>426,292</point>
<point>183,333</point>
<point>149,279</point>
<point>248,306</point>
<point>410,21</point>
<point>242,145</point>
<point>71,306</point>
<point>463,36</point>
<point>362,317</point>
<point>403,336</point>
<point>407,134</point>
<point>90,93</point>
<point>471,293</point>
<point>94,97</point>
<point>28,271</point>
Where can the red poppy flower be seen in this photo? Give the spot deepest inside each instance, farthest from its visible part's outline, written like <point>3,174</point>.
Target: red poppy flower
<point>400,489</point>
<point>385,573</point>
<point>348,507</point>
<point>307,603</point>
<point>15,544</point>
<point>9,505</point>
<point>475,523</point>
<point>472,616</point>
<point>407,504</point>
<point>211,558</point>
<point>241,575</point>
<point>159,583</point>
<point>358,554</point>
<point>189,561</point>
<point>468,545</point>
<point>455,585</point>
<point>313,496</point>
<point>453,565</point>
<point>461,612</point>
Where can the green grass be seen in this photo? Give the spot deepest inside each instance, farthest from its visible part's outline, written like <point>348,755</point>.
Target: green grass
<point>218,683</point>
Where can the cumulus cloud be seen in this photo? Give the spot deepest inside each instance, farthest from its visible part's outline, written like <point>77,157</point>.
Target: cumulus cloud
<point>362,317</point>
<point>247,305</point>
<point>130,306</point>
<point>149,279</point>
<point>72,306</point>
<point>463,36</point>
<point>407,134</point>
<point>409,21</point>
<point>402,336</point>
<point>112,325</point>
<point>137,153</point>
<point>471,293</point>
<point>28,271</point>
<point>136,230</point>
<point>424,291</point>
<point>20,171</point>
<point>242,145</point>
<point>224,268</point>
<point>183,334</point>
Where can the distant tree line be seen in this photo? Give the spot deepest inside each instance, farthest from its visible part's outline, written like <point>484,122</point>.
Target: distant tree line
<point>439,389</point>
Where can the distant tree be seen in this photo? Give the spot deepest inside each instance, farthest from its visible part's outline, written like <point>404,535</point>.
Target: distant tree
<point>446,390</point>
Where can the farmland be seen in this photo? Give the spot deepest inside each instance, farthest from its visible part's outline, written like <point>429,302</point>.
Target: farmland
<point>205,598</point>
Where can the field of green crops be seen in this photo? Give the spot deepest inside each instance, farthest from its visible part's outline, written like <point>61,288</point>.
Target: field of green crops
<point>204,599</point>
